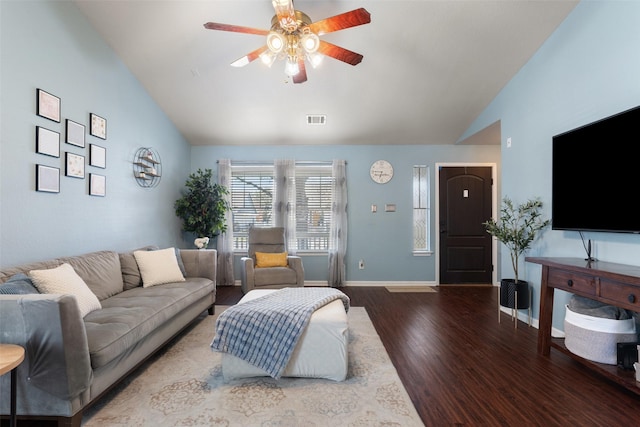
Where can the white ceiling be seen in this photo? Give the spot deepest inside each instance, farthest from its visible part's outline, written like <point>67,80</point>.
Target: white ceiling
<point>430,67</point>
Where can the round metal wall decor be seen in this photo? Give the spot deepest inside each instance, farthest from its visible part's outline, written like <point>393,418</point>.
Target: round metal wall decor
<point>147,167</point>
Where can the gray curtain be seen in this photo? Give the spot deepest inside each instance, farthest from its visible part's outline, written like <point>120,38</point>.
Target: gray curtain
<point>284,201</point>
<point>225,240</point>
<point>338,232</point>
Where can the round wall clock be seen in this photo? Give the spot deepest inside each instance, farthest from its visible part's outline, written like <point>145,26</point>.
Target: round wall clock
<point>381,171</point>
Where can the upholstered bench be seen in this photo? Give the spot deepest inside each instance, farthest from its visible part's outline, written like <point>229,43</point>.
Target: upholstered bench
<point>320,353</point>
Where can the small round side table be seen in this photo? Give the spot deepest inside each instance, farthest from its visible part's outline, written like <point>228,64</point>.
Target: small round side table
<point>11,356</point>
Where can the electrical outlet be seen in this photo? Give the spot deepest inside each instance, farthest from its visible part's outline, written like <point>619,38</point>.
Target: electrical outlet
<point>361,264</point>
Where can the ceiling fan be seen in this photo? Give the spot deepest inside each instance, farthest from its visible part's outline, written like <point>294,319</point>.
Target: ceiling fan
<point>294,37</point>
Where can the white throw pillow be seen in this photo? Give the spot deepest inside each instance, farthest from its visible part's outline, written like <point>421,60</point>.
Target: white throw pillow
<point>158,267</point>
<point>65,280</point>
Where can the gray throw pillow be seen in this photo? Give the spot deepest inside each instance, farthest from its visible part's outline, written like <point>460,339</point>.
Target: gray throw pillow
<point>18,284</point>
<point>180,263</point>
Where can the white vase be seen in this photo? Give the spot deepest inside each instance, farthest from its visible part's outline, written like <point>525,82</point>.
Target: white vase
<point>201,242</point>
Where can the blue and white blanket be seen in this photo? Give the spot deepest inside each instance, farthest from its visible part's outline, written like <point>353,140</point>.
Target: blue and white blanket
<point>264,331</point>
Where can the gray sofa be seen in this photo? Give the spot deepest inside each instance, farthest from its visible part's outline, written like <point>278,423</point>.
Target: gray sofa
<point>72,361</point>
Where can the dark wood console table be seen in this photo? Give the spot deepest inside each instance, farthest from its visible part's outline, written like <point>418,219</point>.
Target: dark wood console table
<point>615,284</point>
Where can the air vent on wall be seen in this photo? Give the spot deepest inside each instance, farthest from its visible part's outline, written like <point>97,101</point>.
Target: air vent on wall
<point>316,119</point>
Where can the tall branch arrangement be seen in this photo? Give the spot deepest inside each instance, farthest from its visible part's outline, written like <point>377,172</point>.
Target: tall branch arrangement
<point>517,227</point>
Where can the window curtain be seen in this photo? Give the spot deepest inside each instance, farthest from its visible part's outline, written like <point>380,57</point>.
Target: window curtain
<point>338,232</point>
<point>224,276</point>
<point>284,201</point>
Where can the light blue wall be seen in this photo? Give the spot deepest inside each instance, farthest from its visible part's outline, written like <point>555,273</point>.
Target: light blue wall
<point>587,70</point>
<point>50,45</point>
<point>383,240</point>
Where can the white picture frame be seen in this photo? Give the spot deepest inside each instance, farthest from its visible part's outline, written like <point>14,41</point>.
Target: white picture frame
<point>47,179</point>
<point>97,185</point>
<point>98,126</point>
<point>75,133</point>
<point>97,156</point>
<point>74,165</point>
<point>47,105</point>
<point>47,142</point>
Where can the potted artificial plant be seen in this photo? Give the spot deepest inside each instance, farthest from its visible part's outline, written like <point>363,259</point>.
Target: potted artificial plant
<point>202,208</point>
<point>517,228</point>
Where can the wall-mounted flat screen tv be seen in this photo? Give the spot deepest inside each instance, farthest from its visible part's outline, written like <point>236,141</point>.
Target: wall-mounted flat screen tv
<point>596,176</point>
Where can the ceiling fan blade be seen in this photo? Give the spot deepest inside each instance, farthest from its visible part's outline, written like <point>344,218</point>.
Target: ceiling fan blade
<point>251,56</point>
<point>340,22</point>
<point>339,53</point>
<point>286,14</point>
<point>235,28</point>
<point>301,77</point>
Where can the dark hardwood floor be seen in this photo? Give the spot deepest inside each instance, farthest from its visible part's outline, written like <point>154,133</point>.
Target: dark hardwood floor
<point>463,368</point>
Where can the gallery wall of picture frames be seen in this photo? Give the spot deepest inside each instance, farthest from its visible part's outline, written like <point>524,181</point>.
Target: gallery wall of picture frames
<point>77,157</point>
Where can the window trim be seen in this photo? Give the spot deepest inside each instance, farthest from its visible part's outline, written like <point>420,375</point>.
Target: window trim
<point>425,197</point>
<point>269,167</point>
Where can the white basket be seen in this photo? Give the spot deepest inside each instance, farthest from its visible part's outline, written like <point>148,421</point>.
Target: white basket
<point>595,338</point>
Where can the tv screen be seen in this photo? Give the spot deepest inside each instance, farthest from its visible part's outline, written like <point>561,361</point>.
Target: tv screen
<point>596,176</point>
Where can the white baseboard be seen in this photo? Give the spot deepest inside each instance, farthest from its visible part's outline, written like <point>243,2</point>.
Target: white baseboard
<point>306,283</point>
<point>390,284</point>
<point>359,283</point>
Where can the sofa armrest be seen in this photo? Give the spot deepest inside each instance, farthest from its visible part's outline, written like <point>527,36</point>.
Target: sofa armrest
<point>200,262</point>
<point>295,262</point>
<point>52,332</point>
<point>247,279</point>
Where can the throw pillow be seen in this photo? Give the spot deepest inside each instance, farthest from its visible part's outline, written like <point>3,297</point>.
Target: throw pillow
<point>180,263</point>
<point>158,267</point>
<point>266,259</point>
<point>130,273</point>
<point>18,284</point>
<point>64,280</point>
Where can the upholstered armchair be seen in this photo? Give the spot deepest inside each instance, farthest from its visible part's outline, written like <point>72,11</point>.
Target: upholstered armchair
<point>267,265</point>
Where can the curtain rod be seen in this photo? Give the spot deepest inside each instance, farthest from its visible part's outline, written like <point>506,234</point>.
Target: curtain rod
<point>266,162</point>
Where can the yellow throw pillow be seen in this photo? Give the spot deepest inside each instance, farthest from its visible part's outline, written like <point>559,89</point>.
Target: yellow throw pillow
<point>264,259</point>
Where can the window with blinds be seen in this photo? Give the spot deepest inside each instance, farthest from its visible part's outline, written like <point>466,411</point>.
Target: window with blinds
<point>421,210</point>
<point>252,194</point>
<point>251,200</point>
<point>314,185</point>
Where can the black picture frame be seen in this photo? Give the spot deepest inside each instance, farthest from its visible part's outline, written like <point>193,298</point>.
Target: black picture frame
<point>97,156</point>
<point>75,133</point>
<point>97,185</point>
<point>47,142</point>
<point>47,179</point>
<point>98,126</point>
<point>74,165</point>
<point>48,105</point>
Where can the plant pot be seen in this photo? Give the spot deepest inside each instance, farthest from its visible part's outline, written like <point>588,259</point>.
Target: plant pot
<point>508,289</point>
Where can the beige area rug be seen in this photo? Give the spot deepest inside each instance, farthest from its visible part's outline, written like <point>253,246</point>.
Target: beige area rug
<point>411,289</point>
<point>183,386</point>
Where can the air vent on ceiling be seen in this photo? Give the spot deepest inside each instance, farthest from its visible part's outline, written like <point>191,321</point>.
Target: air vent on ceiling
<point>316,119</point>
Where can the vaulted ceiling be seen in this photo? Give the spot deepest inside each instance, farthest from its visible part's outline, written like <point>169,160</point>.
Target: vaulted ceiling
<point>430,67</point>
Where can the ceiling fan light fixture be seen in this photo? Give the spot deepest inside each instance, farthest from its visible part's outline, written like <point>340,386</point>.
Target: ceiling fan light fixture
<point>268,58</point>
<point>291,68</point>
<point>315,59</point>
<point>310,42</point>
<point>293,37</point>
<point>276,42</point>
